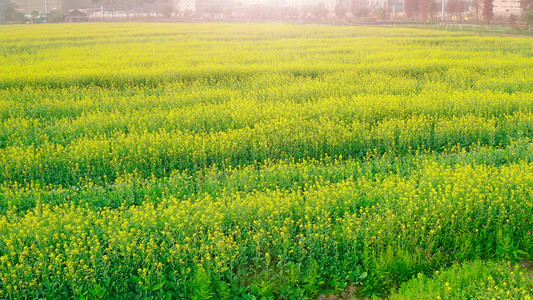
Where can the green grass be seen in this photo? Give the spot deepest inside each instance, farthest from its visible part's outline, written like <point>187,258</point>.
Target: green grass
<point>471,280</point>
<point>480,28</point>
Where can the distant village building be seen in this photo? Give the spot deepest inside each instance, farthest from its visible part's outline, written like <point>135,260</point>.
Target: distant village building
<point>506,8</point>
<point>186,5</point>
<point>214,5</point>
<point>219,5</point>
<point>374,4</point>
<point>299,4</point>
<point>204,5</point>
<point>75,16</point>
<point>502,8</point>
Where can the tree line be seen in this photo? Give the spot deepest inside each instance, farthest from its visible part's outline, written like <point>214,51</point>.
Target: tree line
<point>420,10</point>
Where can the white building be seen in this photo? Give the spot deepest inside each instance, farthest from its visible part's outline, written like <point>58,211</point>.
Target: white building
<point>376,4</point>
<point>329,4</point>
<point>252,2</point>
<point>505,8</point>
<point>186,5</point>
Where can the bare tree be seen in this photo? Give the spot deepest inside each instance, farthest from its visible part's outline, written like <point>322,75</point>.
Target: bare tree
<point>423,8</point>
<point>526,5</point>
<point>488,10</point>
<point>476,6</point>
<point>451,8</point>
<point>340,11</point>
<point>527,11</point>
<point>411,8</point>
<point>34,15</point>
<point>432,8</point>
<point>320,11</point>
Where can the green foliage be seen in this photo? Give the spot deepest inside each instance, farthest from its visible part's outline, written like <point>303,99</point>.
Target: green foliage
<point>360,12</point>
<point>380,13</point>
<point>471,280</point>
<point>201,286</point>
<point>55,16</point>
<point>9,14</point>
<point>528,17</point>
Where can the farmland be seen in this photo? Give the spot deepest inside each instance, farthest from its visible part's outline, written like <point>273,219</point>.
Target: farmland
<point>262,160</point>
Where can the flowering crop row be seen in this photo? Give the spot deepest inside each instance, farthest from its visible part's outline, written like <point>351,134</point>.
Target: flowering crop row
<point>391,227</point>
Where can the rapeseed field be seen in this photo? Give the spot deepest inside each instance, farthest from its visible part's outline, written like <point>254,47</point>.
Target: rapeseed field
<point>264,161</point>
